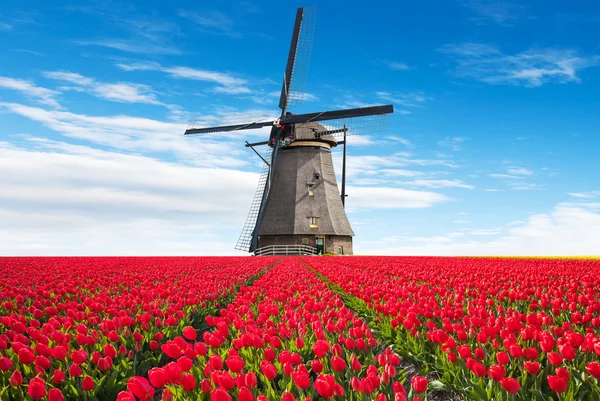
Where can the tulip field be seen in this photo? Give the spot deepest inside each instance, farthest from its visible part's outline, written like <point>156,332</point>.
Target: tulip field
<point>299,328</point>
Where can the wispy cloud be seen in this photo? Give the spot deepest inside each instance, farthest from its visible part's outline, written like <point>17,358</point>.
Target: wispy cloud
<point>437,184</point>
<point>516,178</point>
<point>143,34</point>
<point>123,92</point>
<point>406,99</point>
<point>397,139</point>
<point>149,136</point>
<point>519,171</point>
<point>531,68</point>
<point>396,66</point>
<point>211,21</point>
<point>131,46</point>
<point>392,198</point>
<point>452,143</point>
<point>585,195</point>
<point>5,27</point>
<point>496,12</point>
<point>31,90</point>
<point>228,83</point>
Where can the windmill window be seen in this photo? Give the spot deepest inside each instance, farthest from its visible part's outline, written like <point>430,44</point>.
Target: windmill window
<point>304,241</point>
<point>314,222</point>
<point>311,188</point>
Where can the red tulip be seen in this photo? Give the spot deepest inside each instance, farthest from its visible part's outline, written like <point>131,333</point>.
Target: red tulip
<point>287,396</point>
<point>235,363</point>
<point>125,396</point>
<point>5,364</point>
<point>75,370</point>
<point>16,379</point>
<point>338,364</point>
<point>325,385</point>
<point>593,368</point>
<point>564,373</point>
<point>245,395</point>
<point>26,356</point>
<point>321,348</point>
<point>502,358</point>
<point>557,384</point>
<point>37,388</point>
<point>55,394</point>
<point>220,395</point>
<point>188,382</point>
<point>419,384</point>
<point>141,388</point>
<point>301,379</point>
<point>496,372</point>
<point>190,333</point>
<point>511,385</point>
<point>532,368</point>
<point>157,377</point>
<point>268,370</point>
<point>554,358</point>
<point>87,384</point>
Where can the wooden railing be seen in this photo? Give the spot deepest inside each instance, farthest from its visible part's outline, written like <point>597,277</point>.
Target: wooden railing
<point>286,250</point>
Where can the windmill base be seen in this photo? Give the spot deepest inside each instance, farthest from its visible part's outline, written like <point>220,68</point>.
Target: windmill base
<point>331,244</point>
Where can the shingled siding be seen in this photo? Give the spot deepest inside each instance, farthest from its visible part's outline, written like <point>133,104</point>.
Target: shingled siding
<point>289,207</point>
<point>332,242</point>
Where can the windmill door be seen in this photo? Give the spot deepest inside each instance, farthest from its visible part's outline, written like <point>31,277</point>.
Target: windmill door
<point>320,246</point>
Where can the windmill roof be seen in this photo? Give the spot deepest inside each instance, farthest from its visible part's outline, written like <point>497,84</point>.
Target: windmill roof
<point>306,132</point>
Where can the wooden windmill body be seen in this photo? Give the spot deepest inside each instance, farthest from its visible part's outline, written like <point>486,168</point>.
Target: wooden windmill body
<point>297,204</point>
<point>304,206</point>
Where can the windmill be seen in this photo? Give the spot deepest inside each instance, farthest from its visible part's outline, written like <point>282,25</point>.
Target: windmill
<point>297,202</point>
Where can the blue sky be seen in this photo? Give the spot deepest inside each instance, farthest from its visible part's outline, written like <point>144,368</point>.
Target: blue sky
<point>493,149</point>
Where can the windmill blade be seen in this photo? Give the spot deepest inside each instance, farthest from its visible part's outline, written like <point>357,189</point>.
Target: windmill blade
<point>296,71</point>
<point>247,235</point>
<point>338,114</point>
<point>362,121</point>
<point>233,121</point>
<point>227,128</point>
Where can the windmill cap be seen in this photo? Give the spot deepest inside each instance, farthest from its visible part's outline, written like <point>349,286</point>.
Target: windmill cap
<point>309,132</point>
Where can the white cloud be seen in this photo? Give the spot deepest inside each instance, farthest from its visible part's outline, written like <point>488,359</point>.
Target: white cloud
<point>569,229</point>
<point>30,89</point>
<point>211,21</point>
<point>585,195</point>
<point>519,171</point>
<point>531,68</point>
<point>64,199</point>
<point>500,175</point>
<point>391,198</point>
<point>408,99</point>
<point>5,27</point>
<point>498,12</point>
<point>136,134</point>
<point>452,143</point>
<point>397,66</point>
<point>228,83</point>
<point>399,140</point>
<point>438,184</point>
<point>484,232</point>
<point>461,221</point>
<point>131,46</point>
<point>123,92</point>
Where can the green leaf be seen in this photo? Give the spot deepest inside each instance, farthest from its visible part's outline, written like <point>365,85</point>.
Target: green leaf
<point>436,385</point>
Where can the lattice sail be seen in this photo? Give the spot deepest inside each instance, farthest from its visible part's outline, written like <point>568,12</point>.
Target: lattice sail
<point>245,239</point>
<point>362,126</point>
<point>224,119</point>
<point>302,59</point>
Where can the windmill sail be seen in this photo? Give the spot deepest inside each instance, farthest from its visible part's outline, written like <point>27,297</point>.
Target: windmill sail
<point>296,72</point>
<point>245,240</point>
